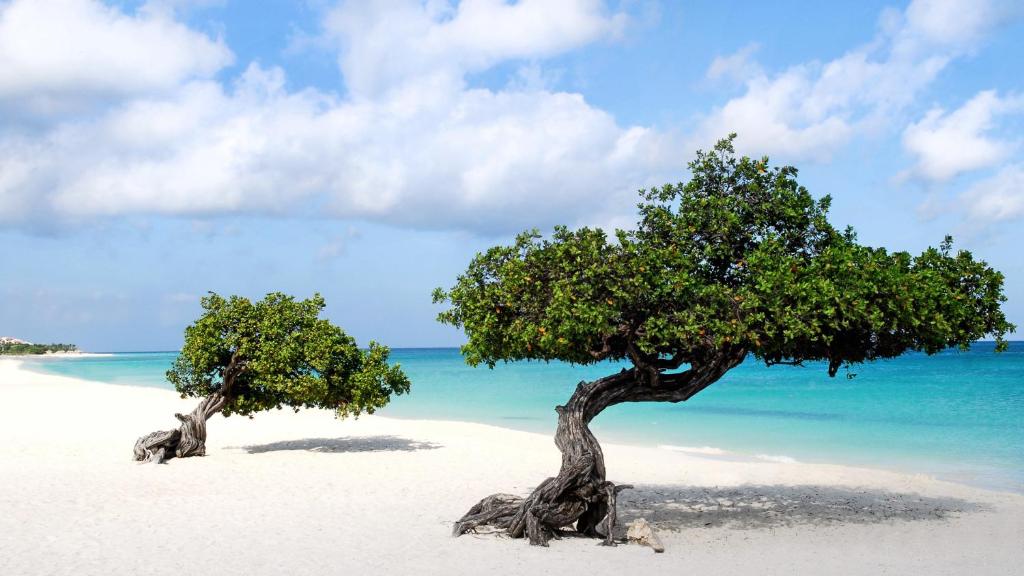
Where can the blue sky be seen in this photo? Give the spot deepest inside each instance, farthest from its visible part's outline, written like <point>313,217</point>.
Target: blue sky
<point>152,151</point>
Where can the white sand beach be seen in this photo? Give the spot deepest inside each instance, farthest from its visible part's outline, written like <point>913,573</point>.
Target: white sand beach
<point>305,493</point>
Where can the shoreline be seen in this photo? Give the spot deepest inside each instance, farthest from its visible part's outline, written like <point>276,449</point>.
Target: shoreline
<point>1008,486</point>
<point>283,490</point>
<point>701,453</point>
<point>57,355</point>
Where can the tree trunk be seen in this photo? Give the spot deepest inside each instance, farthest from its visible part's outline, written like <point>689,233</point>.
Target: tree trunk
<point>188,440</point>
<point>580,493</point>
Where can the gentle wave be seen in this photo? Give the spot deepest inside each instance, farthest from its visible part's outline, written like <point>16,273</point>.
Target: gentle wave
<point>774,458</point>
<point>712,451</point>
<point>706,450</point>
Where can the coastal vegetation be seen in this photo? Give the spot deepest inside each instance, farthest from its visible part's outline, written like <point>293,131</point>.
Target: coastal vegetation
<point>243,357</point>
<point>10,346</point>
<point>738,262</point>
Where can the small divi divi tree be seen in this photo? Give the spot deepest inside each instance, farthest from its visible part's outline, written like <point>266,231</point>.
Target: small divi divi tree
<point>740,261</point>
<point>242,357</point>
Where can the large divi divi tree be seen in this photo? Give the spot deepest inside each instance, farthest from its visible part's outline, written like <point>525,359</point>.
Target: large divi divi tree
<point>243,357</point>
<point>739,262</point>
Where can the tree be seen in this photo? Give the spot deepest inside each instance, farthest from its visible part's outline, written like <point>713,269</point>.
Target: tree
<point>242,357</point>
<point>739,261</point>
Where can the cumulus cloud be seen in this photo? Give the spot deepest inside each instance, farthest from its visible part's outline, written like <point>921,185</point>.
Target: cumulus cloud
<point>390,43</point>
<point>998,198</point>
<point>958,22</point>
<point>411,144</point>
<point>56,55</point>
<point>811,109</point>
<point>947,144</point>
<point>470,158</point>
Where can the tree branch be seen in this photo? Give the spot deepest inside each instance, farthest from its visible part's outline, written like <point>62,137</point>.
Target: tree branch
<point>684,385</point>
<point>604,351</point>
<point>236,366</point>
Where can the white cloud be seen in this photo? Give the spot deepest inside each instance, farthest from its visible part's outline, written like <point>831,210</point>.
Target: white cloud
<point>809,110</point>
<point>772,116</point>
<point>389,43</point>
<point>958,22</point>
<point>947,144</point>
<point>999,198</point>
<point>55,54</point>
<point>412,143</point>
<point>474,158</point>
<point>426,151</point>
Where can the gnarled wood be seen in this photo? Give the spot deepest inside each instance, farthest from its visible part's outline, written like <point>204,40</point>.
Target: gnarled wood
<point>580,493</point>
<point>155,446</point>
<point>188,440</point>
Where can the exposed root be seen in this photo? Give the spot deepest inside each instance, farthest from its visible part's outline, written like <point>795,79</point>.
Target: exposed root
<point>188,440</point>
<point>157,446</point>
<point>580,494</point>
<point>496,510</point>
<point>538,518</point>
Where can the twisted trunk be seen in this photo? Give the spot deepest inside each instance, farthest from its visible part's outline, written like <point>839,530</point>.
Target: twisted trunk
<point>581,493</point>
<point>189,439</point>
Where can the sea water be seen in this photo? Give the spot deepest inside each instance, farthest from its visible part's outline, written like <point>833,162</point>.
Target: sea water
<point>955,415</point>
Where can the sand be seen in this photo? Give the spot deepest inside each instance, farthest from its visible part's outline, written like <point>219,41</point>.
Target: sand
<point>304,493</point>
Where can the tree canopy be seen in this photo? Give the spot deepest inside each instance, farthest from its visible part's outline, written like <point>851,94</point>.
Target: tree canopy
<point>740,258</point>
<point>278,352</point>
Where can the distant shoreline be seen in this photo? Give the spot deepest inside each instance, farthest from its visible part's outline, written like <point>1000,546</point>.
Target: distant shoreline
<point>406,348</point>
<point>75,354</point>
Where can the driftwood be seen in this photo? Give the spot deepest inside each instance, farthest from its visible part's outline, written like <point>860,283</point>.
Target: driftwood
<point>641,532</point>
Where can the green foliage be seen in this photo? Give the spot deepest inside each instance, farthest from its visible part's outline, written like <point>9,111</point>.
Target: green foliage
<point>278,352</point>
<point>740,255</point>
<point>25,348</point>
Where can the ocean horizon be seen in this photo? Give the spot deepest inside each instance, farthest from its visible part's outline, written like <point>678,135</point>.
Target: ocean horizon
<point>956,415</point>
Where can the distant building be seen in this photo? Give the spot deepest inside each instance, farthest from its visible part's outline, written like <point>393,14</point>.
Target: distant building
<point>11,340</point>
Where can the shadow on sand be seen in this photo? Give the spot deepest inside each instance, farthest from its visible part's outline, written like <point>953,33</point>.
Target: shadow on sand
<point>767,506</point>
<point>345,444</point>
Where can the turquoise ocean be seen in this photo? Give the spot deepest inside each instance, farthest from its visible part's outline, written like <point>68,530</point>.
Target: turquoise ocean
<point>955,415</point>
